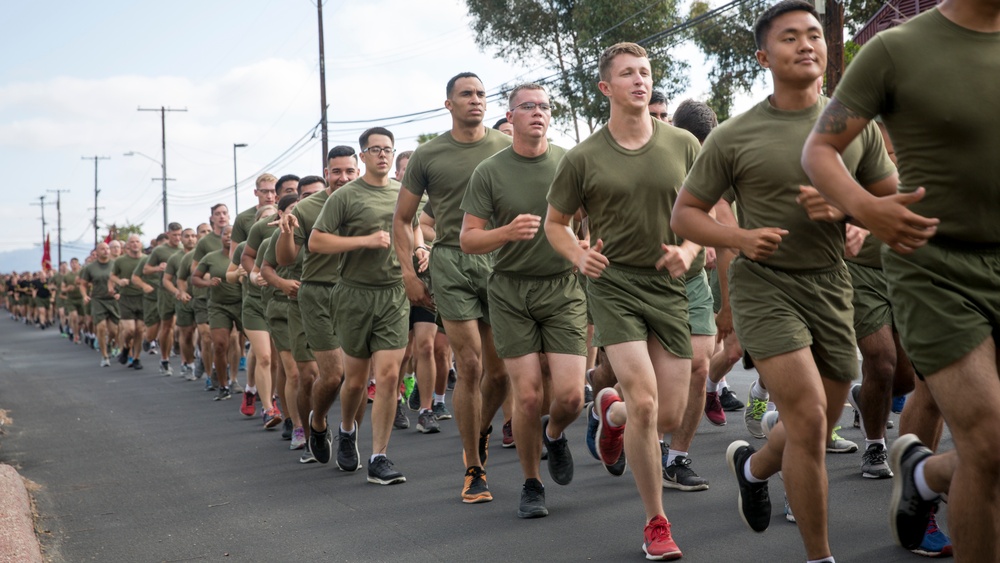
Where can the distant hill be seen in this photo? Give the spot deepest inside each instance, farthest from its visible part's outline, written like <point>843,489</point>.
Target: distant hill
<point>30,259</point>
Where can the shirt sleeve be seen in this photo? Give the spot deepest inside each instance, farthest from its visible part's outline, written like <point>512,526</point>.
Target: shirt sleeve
<point>865,87</point>
<point>566,191</point>
<point>478,199</point>
<point>711,175</point>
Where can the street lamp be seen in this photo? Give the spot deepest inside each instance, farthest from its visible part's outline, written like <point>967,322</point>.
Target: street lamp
<point>236,192</point>
<point>164,179</point>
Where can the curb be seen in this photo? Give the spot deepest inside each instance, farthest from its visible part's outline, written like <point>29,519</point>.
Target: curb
<point>17,527</point>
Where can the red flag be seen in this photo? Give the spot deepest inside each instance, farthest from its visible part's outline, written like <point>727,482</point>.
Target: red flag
<point>47,255</point>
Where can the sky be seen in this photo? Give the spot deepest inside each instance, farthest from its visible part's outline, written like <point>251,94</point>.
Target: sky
<point>247,71</point>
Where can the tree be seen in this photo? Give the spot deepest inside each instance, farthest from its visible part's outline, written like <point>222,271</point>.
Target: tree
<point>424,137</point>
<point>568,36</point>
<point>122,233</point>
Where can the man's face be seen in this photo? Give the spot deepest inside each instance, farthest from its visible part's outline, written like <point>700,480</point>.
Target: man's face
<point>189,238</point>
<point>659,111</point>
<point>378,164</point>
<point>310,189</point>
<point>467,103</point>
<point>795,50</point>
<point>401,168</point>
<point>115,248</point>
<point>530,123</point>
<point>133,246</point>
<point>74,265</point>
<point>506,128</point>
<point>63,268</point>
<point>103,252</point>
<point>220,217</point>
<point>341,170</point>
<point>204,229</point>
<point>174,238</point>
<point>630,80</point>
<point>288,187</point>
<point>265,194</point>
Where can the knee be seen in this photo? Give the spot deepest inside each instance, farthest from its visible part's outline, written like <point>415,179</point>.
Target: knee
<point>569,402</point>
<point>529,401</point>
<point>641,411</point>
<point>806,425</point>
<point>423,349</point>
<point>669,419</point>
<point>699,372</point>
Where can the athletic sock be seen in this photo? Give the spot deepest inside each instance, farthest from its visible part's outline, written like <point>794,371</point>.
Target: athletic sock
<point>711,386</point>
<point>920,481</point>
<point>351,433</point>
<point>749,476</point>
<point>672,455</point>
<point>824,560</point>
<point>422,411</point>
<point>438,398</point>
<point>250,389</point>
<point>758,392</point>
<point>868,443</point>
<point>374,457</point>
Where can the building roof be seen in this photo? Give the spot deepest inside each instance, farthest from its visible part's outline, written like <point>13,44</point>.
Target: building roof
<point>893,13</point>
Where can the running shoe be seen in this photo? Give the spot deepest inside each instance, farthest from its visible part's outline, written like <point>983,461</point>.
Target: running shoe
<point>532,500</point>
<point>235,387</point>
<point>307,457</point>
<point>320,441</point>
<point>752,414</point>
<point>475,489</point>
<point>909,513</point>
<point>348,457</point>
<point>123,357</point>
<point>729,401</point>
<point>427,424</point>
<point>592,424</point>
<point>789,517</point>
<point>136,364</point>
<point>441,412</point>
<point>371,391</point>
<point>199,368</point>
<point>382,472</point>
<point>610,441</point>
<point>414,400</point>
<point>105,362</point>
<point>272,417</point>
<point>768,422</point>
<point>452,378</point>
<point>658,544</point>
<point>165,369</point>
<point>223,394</point>
<point>898,403</point>
<point>560,457</point>
<point>936,543</point>
<point>854,398</point>
<point>249,405</point>
<point>401,422</point>
<point>679,475</point>
<point>874,463</point>
<point>754,499</point>
<point>588,393</point>
<point>508,435</point>
<point>713,409</point>
<point>153,348</point>
<point>286,431</point>
<point>243,363</point>
<point>838,445</point>
<point>298,438</point>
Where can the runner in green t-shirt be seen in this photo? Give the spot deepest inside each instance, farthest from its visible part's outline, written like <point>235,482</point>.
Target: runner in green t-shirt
<point>94,282</point>
<point>224,316</point>
<point>537,303</point>
<point>183,311</point>
<point>933,82</point>
<point>266,194</point>
<point>131,328</point>
<point>74,298</point>
<point>155,266</point>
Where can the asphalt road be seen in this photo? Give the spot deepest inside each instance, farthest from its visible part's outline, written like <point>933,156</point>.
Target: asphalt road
<point>133,466</point>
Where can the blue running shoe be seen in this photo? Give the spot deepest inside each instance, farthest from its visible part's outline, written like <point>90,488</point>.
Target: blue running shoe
<point>243,363</point>
<point>898,403</point>
<point>936,543</point>
<point>592,434</point>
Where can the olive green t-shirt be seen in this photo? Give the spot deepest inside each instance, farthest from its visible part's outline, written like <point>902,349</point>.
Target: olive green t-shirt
<point>321,268</point>
<point>442,167</point>
<point>158,256</point>
<point>144,277</point>
<point>506,185</point>
<point>184,274</point>
<point>291,272</point>
<point>870,254</point>
<point>123,267</point>
<point>935,84</point>
<point>216,263</point>
<point>97,275</point>
<point>208,243</point>
<point>246,288</point>
<point>758,154</point>
<point>627,194</point>
<point>242,224</point>
<point>358,209</point>
<point>266,292</point>
<point>73,290</point>
<point>261,230</point>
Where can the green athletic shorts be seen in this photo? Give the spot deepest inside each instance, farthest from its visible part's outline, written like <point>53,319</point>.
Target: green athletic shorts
<point>370,319</point>
<point>73,305</point>
<point>946,301</point>
<point>460,282</point>
<point>872,309</point>
<point>150,309</point>
<point>321,331</point>
<point>297,334</point>
<point>184,313</point>
<point>777,311</point>
<point>701,314</point>
<point>200,306</point>
<point>534,314</point>
<point>713,282</point>
<point>43,302</point>
<point>630,304</point>
<point>165,302</point>
<point>224,315</point>
<point>102,309</point>
<point>277,321</point>
<point>253,313</point>
<point>86,308</point>
<point>130,307</point>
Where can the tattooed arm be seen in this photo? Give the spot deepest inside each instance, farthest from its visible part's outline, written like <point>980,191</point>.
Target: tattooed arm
<point>883,211</point>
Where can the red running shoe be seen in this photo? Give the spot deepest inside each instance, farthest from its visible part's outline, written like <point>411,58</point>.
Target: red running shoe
<point>610,441</point>
<point>657,542</point>
<point>713,409</point>
<point>371,391</point>
<point>249,406</point>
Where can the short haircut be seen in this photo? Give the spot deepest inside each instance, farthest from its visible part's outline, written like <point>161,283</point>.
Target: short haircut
<point>520,88</point>
<point>696,117</point>
<point>657,97</point>
<point>308,180</point>
<point>264,211</point>
<point>609,54</point>
<point>764,22</point>
<point>500,122</point>
<point>450,88</point>
<point>264,178</point>
<point>363,139</point>
<point>403,156</point>
<point>287,178</point>
<point>218,205</point>
<point>286,201</point>
<point>174,226</point>
<point>160,237</point>
<point>189,229</point>
<point>337,152</point>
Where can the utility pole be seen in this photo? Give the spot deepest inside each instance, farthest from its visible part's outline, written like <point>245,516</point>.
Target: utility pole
<point>833,27</point>
<point>163,134</point>
<point>236,191</point>
<point>96,191</point>
<point>41,205</point>
<point>59,219</point>
<point>322,81</point>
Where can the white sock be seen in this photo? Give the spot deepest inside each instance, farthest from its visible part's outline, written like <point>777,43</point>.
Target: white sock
<point>758,392</point>
<point>374,457</point>
<point>711,386</point>
<point>672,455</point>
<point>920,481</point>
<point>438,398</point>
<point>422,411</point>
<point>551,439</point>
<point>749,476</point>
<point>868,443</point>
<point>349,433</point>
<point>723,384</point>
<point>250,389</point>
<point>824,560</point>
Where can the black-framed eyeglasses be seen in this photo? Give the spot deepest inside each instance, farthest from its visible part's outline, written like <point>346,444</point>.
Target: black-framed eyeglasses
<point>530,106</point>
<point>376,151</point>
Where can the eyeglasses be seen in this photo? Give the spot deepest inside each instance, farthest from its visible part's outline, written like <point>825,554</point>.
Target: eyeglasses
<point>376,151</point>
<point>530,106</point>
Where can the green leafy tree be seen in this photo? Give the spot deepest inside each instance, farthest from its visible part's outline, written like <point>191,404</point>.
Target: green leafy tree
<point>568,36</point>
<point>122,233</point>
<point>424,137</point>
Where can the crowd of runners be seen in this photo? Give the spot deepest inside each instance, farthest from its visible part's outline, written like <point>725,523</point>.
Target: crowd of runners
<point>620,281</point>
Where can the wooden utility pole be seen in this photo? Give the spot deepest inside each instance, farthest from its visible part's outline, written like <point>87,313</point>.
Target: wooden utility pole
<point>59,219</point>
<point>96,191</point>
<point>322,81</point>
<point>163,137</point>
<point>833,28</point>
<point>41,205</point>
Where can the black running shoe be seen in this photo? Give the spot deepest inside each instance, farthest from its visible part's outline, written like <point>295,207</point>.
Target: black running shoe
<point>414,400</point>
<point>401,422</point>
<point>908,511</point>
<point>729,401</point>
<point>123,357</point>
<point>136,364</point>
<point>560,458</point>
<point>754,499</point>
<point>679,475</point>
<point>320,442</point>
<point>286,431</point>
<point>381,472</point>
<point>532,500</point>
<point>348,457</point>
<point>452,378</point>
